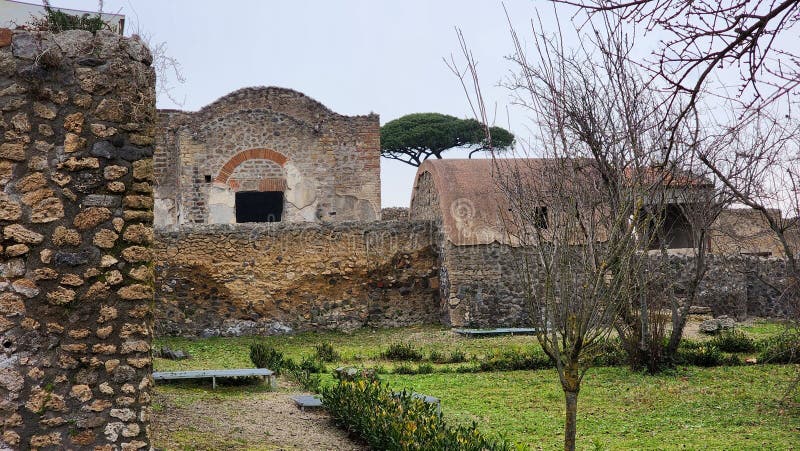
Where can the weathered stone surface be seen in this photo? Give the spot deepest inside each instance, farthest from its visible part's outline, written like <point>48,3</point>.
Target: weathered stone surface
<point>79,164</point>
<point>102,131</point>
<point>73,142</point>
<point>101,200</point>
<point>114,172</point>
<point>139,234</point>
<point>136,292</point>
<point>31,182</point>
<point>110,110</point>
<point>143,170</point>
<point>136,254</point>
<point>60,296</point>
<point>5,37</point>
<point>63,236</point>
<point>12,151</point>
<point>47,210</point>
<point>15,250</point>
<point>9,209</point>
<point>26,287</point>
<point>21,234</point>
<point>138,202</point>
<point>105,239</point>
<point>45,110</point>
<point>91,217</point>
<point>74,122</point>
<point>74,42</point>
<point>14,267</point>
<point>71,280</point>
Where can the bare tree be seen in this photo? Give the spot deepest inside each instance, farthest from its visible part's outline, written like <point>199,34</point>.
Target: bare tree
<point>581,217</point>
<point>751,40</point>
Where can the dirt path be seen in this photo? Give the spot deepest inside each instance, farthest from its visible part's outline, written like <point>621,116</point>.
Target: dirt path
<point>258,421</point>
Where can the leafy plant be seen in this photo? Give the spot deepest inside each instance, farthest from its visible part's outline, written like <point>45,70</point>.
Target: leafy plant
<point>399,421</point>
<point>326,352</point>
<point>515,359</point>
<point>402,351</point>
<point>265,356</point>
<point>457,356</point>
<point>734,340</point>
<point>57,21</point>
<point>699,354</point>
<point>312,364</point>
<point>783,348</point>
<point>404,369</point>
<point>425,368</point>
<point>308,380</point>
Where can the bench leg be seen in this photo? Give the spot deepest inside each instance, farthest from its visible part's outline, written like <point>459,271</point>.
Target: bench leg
<point>213,383</point>
<point>272,382</point>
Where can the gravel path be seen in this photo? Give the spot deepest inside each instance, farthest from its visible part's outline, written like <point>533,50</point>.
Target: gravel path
<point>261,421</point>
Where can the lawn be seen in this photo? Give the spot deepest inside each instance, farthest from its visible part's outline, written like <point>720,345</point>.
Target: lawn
<point>686,408</point>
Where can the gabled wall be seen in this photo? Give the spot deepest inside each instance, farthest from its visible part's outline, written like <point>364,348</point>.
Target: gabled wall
<point>266,139</point>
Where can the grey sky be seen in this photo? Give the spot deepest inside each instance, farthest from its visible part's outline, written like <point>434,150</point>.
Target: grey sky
<point>354,56</point>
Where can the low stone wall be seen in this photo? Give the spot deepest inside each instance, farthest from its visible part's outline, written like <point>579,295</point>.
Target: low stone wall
<point>78,112</point>
<point>280,277</point>
<point>481,286</point>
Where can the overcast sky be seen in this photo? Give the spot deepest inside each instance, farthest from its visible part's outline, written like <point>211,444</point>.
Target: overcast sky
<point>354,56</point>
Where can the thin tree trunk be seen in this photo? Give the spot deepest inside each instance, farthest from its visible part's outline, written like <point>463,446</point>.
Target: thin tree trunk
<point>571,423</point>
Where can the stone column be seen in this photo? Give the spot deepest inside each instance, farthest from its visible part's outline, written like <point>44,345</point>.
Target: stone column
<point>77,115</point>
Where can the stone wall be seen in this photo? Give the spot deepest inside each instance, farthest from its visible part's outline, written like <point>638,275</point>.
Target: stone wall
<point>75,211</point>
<point>281,277</point>
<point>482,286</point>
<point>266,139</point>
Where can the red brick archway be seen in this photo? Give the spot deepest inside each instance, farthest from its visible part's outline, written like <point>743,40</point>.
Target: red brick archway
<point>252,154</point>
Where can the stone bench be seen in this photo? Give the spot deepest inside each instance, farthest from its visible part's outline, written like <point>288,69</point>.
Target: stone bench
<point>268,375</point>
<point>307,401</point>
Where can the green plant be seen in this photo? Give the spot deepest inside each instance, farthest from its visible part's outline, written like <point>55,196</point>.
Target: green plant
<point>312,364</point>
<point>404,369</point>
<point>425,368</point>
<point>513,360</point>
<point>399,421</point>
<point>265,356</point>
<point>57,21</point>
<point>699,354</point>
<point>326,352</point>
<point>308,380</point>
<point>610,353</point>
<point>437,357</point>
<point>734,340</point>
<point>457,356</point>
<point>783,348</point>
<point>402,351</point>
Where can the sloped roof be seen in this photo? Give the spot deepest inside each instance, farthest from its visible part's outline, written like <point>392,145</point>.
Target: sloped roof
<point>472,203</point>
<point>469,197</point>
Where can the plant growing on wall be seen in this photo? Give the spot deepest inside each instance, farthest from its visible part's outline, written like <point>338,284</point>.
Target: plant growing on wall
<point>416,137</point>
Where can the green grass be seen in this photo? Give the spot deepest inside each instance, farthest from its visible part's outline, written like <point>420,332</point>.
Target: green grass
<point>764,328</point>
<point>695,408</point>
<point>360,347</point>
<point>688,408</point>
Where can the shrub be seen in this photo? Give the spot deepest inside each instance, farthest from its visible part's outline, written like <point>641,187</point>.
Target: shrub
<point>437,357</point>
<point>400,421</point>
<point>513,360</point>
<point>265,356</point>
<point>457,357</point>
<point>610,353</point>
<point>734,340</point>
<point>402,351</point>
<point>326,352</point>
<point>783,348</point>
<point>699,354</point>
<point>404,369</point>
<point>308,380</point>
<point>312,364</point>
<point>425,368</point>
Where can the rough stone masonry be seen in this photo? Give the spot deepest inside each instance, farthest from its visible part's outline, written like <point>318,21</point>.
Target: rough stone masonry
<point>78,118</point>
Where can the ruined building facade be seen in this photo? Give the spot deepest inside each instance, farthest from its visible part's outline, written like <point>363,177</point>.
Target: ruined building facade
<point>266,155</point>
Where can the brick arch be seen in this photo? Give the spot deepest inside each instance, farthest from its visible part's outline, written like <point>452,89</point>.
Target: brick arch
<point>245,155</point>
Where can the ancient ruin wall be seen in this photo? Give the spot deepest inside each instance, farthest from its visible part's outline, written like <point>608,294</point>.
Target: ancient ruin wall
<point>280,277</point>
<point>481,285</point>
<point>75,211</point>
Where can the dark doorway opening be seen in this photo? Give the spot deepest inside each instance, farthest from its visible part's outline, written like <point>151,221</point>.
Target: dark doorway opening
<point>259,206</point>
